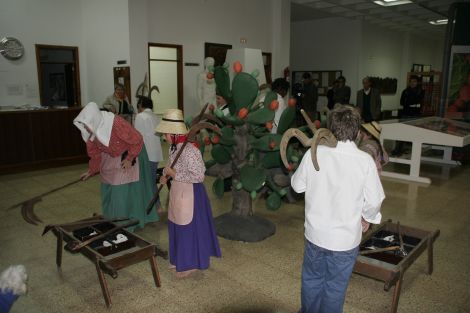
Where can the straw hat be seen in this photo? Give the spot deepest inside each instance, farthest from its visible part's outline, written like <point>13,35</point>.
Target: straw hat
<point>172,123</point>
<point>373,128</point>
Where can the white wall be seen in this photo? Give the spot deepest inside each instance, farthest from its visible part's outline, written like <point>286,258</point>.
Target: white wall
<point>360,50</point>
<point>105,37</point>
<point>100,29</point>
<point>53,22</point>
<point>192,23</point>
<point>327,44</point>
<point>109,30</point>
<point>138,33</point>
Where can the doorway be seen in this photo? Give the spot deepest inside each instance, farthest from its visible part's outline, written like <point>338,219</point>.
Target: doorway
<point>58,75</point>
<point>166,72</point>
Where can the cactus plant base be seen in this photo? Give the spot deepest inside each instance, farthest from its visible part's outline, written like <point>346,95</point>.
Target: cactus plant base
<point>237,227</point>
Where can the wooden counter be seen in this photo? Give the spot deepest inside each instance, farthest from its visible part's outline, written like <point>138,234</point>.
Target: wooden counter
<point>35,139</point>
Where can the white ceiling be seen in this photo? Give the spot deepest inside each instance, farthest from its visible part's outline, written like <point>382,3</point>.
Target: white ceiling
<point>414,16</point>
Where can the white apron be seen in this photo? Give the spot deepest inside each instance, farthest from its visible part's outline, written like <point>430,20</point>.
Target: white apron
<point>181,208</point>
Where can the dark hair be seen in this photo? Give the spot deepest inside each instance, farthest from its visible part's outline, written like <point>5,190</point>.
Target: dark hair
<point>414,77</point>
<point>344,122</point>
<point>145,102</point>
<point>341,78</point>
<point>118,86</point>
<point>306,75</point>
<point>280,84</point>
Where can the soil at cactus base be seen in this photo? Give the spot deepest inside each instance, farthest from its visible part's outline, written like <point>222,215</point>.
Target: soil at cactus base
<point>243,228</point>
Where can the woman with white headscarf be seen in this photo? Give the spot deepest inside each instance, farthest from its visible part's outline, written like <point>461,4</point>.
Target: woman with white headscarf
<point>117,152</point>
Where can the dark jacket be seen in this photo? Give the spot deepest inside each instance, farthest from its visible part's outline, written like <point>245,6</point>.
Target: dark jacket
<point>375,103</point>
<point>412,100</point>
<point>342,95</point>
<point>309,102</point>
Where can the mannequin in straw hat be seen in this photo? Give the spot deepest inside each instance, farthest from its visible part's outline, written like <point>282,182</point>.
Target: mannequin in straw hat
<point>117,153</point>
<point>369,142</point>
<point>191,231</point>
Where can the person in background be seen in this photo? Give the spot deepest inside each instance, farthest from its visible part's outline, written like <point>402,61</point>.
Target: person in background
<point>146,122</point>
<point>191,231</point>
<point>222,104</point>
<point>281,87</point>
<point>369,102</point>
<point>310,99</point>
<point>117,153</point>
<point>118,103</point>
<point>369,142</point>
<point>342,93</point>
<point>330,95</point>
<point>341,199</point>
<point>411,99</point>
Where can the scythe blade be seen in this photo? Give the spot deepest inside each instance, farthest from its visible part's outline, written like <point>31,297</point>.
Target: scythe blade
<point>292,132</point>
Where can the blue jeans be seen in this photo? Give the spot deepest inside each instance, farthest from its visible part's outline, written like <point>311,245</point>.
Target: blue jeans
<point>325,278</point>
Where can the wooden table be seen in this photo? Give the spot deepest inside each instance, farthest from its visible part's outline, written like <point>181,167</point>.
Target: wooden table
<point>390,267</point>
<point>108,260</point>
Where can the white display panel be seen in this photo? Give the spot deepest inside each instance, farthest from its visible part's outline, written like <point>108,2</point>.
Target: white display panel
<point>435,132</point>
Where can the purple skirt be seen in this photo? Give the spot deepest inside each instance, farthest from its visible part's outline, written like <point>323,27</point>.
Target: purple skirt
<point>192,245</point>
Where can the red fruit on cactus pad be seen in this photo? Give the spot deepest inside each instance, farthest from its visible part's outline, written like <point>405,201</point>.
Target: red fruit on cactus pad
<point>274,105</point>
<point>210,75</point>
<point>269,125</point>
<point>207,141</point>
<point>272,145</point>
<point>292,102</point>
<point>237,67</point>
<point>243,113</point>
<point>317,124</point>
<point>215,139</point>
<point>290,168</point>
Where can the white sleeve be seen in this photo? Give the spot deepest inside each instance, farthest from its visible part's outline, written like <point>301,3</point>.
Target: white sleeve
<point>373,195</point>
<point>139,124</point>
<point>299,179</point>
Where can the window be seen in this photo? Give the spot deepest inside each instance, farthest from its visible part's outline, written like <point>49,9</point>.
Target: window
<point>58,75</point>
<point>166,72</point>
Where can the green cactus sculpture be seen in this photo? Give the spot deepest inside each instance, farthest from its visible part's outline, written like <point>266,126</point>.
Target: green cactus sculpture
<point>248,154</point>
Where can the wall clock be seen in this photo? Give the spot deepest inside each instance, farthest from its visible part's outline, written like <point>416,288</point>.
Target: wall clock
<point>11,48</point>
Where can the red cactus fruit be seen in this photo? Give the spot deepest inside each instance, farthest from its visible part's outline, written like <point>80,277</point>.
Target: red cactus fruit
<point>237,67</point>
<point>210,75</point>
<point>243,113</point>
<point>207,141</point>
<point>274,105</point>
<point>317,124</point>
<point>292,102</point>
<point>215,139</point>
<point>269,125</point>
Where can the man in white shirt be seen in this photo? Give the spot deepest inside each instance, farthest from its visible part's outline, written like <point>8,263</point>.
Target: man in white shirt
<point>281,87</point>
<point>146,122</point>
<point>341,199</point>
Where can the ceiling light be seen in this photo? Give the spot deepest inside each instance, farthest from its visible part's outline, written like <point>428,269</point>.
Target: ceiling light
<point>389,3</point>
<point>438,22</point>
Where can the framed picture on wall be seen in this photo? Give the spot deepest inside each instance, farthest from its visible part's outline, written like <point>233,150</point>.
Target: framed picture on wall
<point>458,85</point>
<point>417,68</point>
<point>216,50</point>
